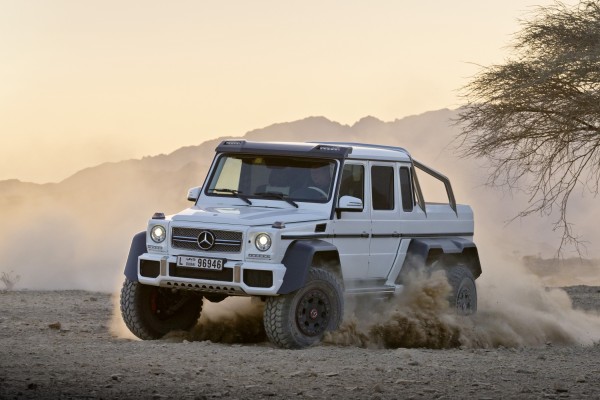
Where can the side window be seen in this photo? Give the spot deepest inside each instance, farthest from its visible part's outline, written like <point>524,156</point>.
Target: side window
<point>353,181</point>
<point>406,189</point>
<point>382,182</point>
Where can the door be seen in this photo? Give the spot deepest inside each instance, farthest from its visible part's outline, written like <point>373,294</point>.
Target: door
<point>385,232</point>
<point>410,217</point>
<point>352,230</point>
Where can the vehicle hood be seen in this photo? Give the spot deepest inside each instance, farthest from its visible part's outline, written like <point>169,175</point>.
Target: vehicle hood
<point>248,215</point>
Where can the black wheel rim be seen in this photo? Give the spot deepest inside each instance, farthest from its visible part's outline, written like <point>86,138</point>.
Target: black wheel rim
<point>165,304</point>
<point>464,301</point>
<point>312,313</point>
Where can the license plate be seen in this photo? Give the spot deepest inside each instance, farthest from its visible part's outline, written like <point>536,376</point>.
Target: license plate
<point>215,264</point>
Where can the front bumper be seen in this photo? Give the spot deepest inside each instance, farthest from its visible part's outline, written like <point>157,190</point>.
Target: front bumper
<point>236,278</point>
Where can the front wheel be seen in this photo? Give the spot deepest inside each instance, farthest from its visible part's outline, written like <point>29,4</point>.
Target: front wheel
<point>150,312</point>
<point>464,292</point>
<point>301,318</point>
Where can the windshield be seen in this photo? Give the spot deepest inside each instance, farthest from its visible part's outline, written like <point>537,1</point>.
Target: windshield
<point>273,177</point>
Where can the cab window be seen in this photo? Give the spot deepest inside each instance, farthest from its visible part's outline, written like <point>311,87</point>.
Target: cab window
<point>406,190</point>
<point>382,182</point>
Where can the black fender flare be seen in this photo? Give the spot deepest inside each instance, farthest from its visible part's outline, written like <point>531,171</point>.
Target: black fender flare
<point>422,251</point>
<point>138,247</point>
<point>298,259</point>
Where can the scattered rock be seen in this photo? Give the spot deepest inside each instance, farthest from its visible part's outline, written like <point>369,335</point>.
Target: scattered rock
<point>560,388</point>
<point>524,371</point>
<point>200,369</point>
<point>377,388</point>
<point>406,381</point>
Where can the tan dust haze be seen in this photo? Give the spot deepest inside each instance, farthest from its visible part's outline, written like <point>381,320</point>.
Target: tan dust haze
<point>515,309</point>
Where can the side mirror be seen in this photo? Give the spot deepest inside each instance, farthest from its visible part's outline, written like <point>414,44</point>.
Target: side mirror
<point>349,203</point>
<point>194,193</point>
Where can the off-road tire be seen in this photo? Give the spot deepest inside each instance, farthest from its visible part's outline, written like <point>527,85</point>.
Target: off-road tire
<point>301,318</point>
<point>150,312</point>
<point>464,292</point>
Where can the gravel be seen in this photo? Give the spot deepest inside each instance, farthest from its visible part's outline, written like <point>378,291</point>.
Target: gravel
<point>58,344</point>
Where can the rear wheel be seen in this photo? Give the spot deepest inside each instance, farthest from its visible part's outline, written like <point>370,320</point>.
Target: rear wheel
<point>464,292</point>
<point>150,312</point>
<point>301,318</point>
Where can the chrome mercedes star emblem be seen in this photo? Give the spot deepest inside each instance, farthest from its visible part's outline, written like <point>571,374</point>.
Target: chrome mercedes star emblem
<point>206,240</point>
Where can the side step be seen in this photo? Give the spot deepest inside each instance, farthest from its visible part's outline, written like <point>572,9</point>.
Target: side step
<point>375,290</point>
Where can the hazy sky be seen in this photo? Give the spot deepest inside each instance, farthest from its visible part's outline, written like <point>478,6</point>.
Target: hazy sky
<point>83,82</point>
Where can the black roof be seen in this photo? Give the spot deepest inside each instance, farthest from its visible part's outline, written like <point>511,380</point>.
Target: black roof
<point>284,149</point>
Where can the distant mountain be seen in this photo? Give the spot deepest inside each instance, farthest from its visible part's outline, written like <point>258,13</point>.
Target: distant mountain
<point>76,233</point>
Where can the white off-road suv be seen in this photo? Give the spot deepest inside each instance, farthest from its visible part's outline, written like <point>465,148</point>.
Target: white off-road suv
<point>299,226</point>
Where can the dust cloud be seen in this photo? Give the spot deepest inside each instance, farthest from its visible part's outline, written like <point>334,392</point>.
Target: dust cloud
<point>515,309</point>
<point>419,317</point>
<point>234,320</point>
<point>116,325</point>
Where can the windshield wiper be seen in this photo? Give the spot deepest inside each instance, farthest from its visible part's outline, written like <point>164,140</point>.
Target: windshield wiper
<point>236,193</point>
<point>277,195</point>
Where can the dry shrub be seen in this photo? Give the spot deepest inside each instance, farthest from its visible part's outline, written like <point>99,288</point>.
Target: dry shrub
<point>9,279</point>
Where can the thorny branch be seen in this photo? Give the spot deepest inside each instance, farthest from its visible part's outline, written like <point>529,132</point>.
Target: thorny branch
<point>536,118</point>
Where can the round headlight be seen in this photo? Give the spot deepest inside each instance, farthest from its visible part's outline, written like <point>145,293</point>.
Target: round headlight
<point>158,233</point>
<point>262,242</point>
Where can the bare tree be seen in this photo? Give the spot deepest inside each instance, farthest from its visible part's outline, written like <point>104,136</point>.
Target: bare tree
<point>9,280</point>
<point>536,118</point>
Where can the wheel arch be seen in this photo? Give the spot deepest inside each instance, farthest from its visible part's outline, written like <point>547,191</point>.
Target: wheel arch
<point>301,255</point>
<point>424,252</point>
<point>138,247</point>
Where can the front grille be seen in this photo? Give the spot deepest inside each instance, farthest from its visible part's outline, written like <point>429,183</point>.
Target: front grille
<point>225,241</point>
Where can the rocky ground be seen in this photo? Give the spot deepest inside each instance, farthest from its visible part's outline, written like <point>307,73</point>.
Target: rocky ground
<point>58,344</point>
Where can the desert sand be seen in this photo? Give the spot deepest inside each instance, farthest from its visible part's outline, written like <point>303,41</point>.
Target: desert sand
<point>62,344</point>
